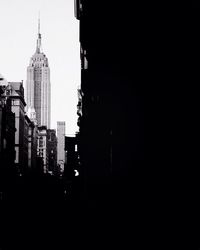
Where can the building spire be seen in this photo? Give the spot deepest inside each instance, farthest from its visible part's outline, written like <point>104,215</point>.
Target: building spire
<point>39,23</point>
<point>38,48</point>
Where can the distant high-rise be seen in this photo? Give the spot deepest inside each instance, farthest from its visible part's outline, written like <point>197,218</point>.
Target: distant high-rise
<point>38,89</point>
<point>61,145</point>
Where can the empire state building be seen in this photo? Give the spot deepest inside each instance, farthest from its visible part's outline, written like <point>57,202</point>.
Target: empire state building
<point>38,88</point>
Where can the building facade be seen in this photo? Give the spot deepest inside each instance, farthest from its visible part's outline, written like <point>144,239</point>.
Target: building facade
<point>14,91</point>
<point>61,145</point>
<point>111,112</point>
<point>52,151</point>
<point>30,137</point>
<point>18,132</point>
<point>7,130</point>
<point>42,147</point>
<point>38,87</point>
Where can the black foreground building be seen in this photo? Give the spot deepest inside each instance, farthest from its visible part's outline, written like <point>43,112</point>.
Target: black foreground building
<point>112,50</point>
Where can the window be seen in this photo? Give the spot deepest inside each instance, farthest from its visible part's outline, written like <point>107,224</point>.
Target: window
<point>41,142</point>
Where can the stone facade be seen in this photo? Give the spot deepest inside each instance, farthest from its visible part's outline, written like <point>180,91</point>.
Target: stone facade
<point>42,147</point>
<point>61,145</point>
<point>14,91</point>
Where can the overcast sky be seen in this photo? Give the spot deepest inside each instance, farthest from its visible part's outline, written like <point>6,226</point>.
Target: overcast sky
<point>60,43</point>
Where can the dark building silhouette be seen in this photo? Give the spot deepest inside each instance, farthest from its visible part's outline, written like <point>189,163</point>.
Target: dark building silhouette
<point>195,4</point>
<point>14,91</point>
<point>39,170</point>
<point>111,115</point>
<point>7,133</point>
<point>79,107</point>
<point>27,124</point>
<point>71,150</point>
<point>52,150</point>
<point>73,171</point>
<point>30,137</point>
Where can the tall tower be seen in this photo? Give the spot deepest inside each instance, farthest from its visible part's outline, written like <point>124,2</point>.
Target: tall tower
<point>38,88</point>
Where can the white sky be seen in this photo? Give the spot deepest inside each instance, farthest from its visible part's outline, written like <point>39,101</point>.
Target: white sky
<point>60,43</point>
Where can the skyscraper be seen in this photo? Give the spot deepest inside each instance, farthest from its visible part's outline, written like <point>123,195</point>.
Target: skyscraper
<point>38,89</point>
